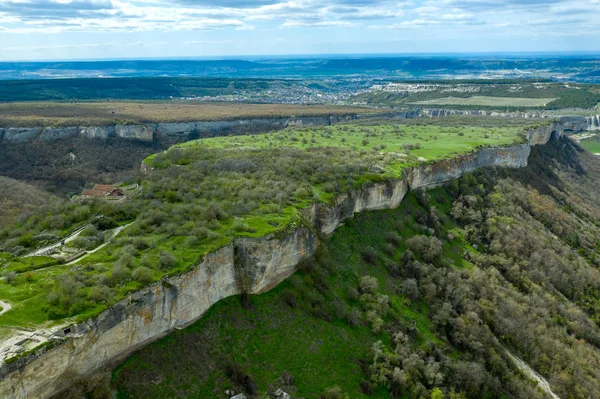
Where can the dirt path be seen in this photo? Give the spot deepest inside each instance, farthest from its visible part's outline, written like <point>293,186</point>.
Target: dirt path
<point>531,373</point>
<point>88,253</point>
<point>44,250</point>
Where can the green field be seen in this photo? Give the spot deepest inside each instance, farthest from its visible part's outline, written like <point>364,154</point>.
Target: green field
<point>202,194</point>
<point>487,101</point>
<point>434,141</point>
<point>592,145</point>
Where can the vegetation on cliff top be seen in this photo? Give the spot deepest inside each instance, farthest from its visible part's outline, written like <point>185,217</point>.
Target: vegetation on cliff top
<point>58,114</point>
<point>201,195</point>
<point>418,302</point>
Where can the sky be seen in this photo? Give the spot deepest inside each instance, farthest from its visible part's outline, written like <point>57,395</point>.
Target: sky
<point>100,29</point>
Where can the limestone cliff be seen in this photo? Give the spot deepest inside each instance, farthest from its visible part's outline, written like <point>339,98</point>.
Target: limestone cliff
<point>246,265</point>
<point>185,130</point>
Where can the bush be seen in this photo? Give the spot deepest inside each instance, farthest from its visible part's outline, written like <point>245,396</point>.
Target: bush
<point>368,285</point>
<point>365,387</point>
<point>143,275</point>
<point>105,223</point>
<point>101,294</point>
<point>10,277</point>
<point>167,260</point>
<point>333,393</point>
<point>369,255</point>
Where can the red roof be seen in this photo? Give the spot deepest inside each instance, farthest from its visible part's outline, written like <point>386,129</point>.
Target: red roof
<point>104,187</point>
<point>99,190</point>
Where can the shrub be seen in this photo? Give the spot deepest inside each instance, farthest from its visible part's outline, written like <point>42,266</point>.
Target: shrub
<point>333,393</point>
<point>369,255</point>
<point>105,223</point>
<point>365,387</point>
<point>101,294</point>
<point>290,299</point>
<point>354,317</point>
<point>368,285</point>
<point>119,274</point>
<point>143,275</point>
<point>10,277</point>
<point>167,260</point>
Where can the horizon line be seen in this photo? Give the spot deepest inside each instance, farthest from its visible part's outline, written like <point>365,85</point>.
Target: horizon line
<point>243,57</point>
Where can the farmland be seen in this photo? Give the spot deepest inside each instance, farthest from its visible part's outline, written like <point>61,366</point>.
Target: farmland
<point>489,101</point>
<point>123,112</point>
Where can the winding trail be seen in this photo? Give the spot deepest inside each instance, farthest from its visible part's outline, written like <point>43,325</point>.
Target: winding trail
<point>531,373</point>
<point>46,249</point>
<point>88,253</point>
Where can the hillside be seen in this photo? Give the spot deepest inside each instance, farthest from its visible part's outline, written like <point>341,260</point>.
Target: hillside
<point>18,199</point>
<point>212,219</point>
<point>426,300</point>
<point>202,194</point>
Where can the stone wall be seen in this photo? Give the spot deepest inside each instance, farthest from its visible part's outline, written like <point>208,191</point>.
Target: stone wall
<point>247,265</point>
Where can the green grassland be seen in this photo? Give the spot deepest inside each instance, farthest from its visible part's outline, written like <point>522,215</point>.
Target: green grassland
<point>434,141</point>
<point>203,194</point>
<point>592,145</point>
<point>489,101</point>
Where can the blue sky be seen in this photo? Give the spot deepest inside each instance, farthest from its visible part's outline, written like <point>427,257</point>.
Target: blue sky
<point>84,29</point>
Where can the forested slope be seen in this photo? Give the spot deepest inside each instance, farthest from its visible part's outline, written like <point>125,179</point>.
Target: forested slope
<point>421,301</point>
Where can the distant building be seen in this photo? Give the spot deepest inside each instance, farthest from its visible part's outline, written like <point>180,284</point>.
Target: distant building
<point>102,190</point>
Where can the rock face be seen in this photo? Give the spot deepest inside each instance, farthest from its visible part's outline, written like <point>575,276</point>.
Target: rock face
<point>138,132</point>
<point>185,130</point>
<point>247,265</point>
<point>435,174</point>
<point>97,132</point>
<point>576,124</point>
<point>58,133</point>
<point>20,135</point>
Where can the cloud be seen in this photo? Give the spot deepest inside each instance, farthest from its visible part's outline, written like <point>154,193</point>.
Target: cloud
<point>318,24</point>
<point>195,42</point>
<point>34,17</point>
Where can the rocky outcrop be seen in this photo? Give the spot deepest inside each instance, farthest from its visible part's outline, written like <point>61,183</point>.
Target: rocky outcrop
<point>138,132</point>
<point>97,132</point>
<point>58,133</point>
<point>437,173</point>
<point>21,135</point>
<point>245,266</point>
<point>184,130</point>
<point>593,122</point>
<point>574,124</point>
